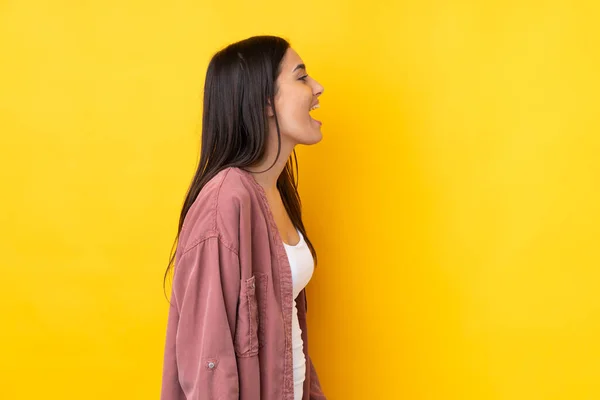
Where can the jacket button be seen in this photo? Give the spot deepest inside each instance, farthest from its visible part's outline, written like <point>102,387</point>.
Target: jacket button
<point>211,365</point>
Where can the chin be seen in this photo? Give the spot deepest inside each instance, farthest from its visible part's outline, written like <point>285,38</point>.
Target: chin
<point>313,139</point>
<point>306,137</point>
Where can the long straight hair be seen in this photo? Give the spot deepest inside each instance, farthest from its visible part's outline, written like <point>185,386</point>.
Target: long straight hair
<point>240,80</point>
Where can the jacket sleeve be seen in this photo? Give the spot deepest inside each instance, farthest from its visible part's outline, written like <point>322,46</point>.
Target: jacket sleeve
<point>199,357</point>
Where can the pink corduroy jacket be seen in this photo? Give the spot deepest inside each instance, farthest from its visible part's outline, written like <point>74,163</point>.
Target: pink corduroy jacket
<point>229,329</point>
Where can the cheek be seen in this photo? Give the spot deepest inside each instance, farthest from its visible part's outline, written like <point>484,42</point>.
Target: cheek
<point>294,109</point>
<point>300,94</point>
<point>293,106</point>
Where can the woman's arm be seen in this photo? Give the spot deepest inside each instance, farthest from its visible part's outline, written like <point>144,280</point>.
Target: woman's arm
<point>200,361</point>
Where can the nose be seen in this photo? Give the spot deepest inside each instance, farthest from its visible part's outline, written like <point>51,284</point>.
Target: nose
<point>318,89</point>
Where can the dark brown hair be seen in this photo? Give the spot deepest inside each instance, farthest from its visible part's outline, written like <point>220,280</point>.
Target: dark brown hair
<point>240,82</point>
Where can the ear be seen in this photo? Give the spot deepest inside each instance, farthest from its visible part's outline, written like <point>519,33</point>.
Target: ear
<point>270,112</point>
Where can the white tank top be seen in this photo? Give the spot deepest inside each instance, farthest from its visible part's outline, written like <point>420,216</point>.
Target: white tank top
<point>302,265</point>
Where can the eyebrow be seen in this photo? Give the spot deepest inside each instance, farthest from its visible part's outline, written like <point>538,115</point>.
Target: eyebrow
<point>299,66</point>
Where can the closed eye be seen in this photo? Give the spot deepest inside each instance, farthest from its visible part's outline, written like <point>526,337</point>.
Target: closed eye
<point>303,78</point>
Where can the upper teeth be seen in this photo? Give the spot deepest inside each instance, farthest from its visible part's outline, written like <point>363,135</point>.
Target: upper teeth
<point>314,107</point>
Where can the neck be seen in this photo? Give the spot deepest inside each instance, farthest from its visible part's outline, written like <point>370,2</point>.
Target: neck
<point>268,179</point>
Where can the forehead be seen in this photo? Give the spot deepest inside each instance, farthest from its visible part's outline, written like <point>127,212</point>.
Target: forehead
<point>290,60</point>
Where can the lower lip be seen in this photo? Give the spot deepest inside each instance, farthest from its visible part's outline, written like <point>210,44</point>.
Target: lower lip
<point>318,122</point>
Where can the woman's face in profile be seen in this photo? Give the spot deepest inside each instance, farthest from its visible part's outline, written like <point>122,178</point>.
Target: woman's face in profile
<point>296,96</point>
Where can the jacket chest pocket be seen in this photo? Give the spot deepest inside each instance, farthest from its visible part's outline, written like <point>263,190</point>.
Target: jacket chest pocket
<point>251,316</point>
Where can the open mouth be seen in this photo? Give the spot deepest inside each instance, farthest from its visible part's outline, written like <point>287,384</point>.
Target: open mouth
<point>314,107</point>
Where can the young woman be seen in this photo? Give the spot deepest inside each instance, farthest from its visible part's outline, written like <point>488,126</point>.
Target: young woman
<point>237,322</point>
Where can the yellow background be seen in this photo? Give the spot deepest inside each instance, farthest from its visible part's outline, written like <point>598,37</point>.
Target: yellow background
<point>454,200</point>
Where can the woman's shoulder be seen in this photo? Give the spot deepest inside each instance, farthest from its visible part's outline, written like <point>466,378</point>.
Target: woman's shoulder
<point>217,209</point>
<point>231,182</point>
